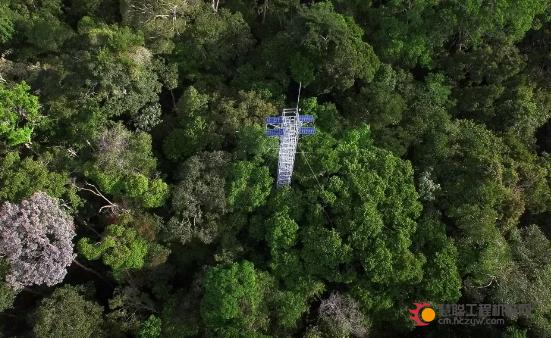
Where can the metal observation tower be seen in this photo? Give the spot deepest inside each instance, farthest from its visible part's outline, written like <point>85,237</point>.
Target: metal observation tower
<point>288,127</point>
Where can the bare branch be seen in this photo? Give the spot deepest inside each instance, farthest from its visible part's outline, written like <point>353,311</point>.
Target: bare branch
<point>114,207</point>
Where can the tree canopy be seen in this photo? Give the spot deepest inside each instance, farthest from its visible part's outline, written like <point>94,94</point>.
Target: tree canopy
<point>138,187</point>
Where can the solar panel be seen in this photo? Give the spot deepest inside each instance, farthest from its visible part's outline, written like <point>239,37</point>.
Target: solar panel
<point>306,118</point>
<point>274,120</point>
<point>307,131</point>
<point>274,132</point>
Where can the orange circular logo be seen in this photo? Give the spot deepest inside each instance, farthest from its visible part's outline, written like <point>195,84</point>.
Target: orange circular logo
<point>428,314</point>
<point>423,314</point>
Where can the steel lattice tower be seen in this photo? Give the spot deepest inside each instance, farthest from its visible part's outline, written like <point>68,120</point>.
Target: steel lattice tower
<point>288,127</point>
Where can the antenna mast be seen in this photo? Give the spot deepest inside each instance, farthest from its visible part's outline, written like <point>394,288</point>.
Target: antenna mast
<point>298,98</point>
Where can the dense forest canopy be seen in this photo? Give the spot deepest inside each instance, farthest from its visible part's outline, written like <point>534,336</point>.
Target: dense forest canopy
<point>137,186</point>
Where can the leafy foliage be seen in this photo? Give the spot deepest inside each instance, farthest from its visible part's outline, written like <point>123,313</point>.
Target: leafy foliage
<point>66,313</point>
<point>36,240</point>
<point>199,200</point>
<point>331,53</point>
<point>151,328</point>
<point>249,185</point>
<point>342,315</point>
<point>19,113</point>
<point>6,24</point>
<point>428,178</point>
<point>7,294</point>
<point>233,297</point>
<point>124,167</point>
<point>23,177</point>
<point>121,248</point>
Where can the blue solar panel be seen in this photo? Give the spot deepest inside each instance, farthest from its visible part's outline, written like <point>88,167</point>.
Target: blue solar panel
<point>274,120</point>
<point>306,118</point>
<point>274,132</point>
<point>307,131</point>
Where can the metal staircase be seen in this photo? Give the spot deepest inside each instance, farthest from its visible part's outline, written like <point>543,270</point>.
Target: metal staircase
<point>288,127</point>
